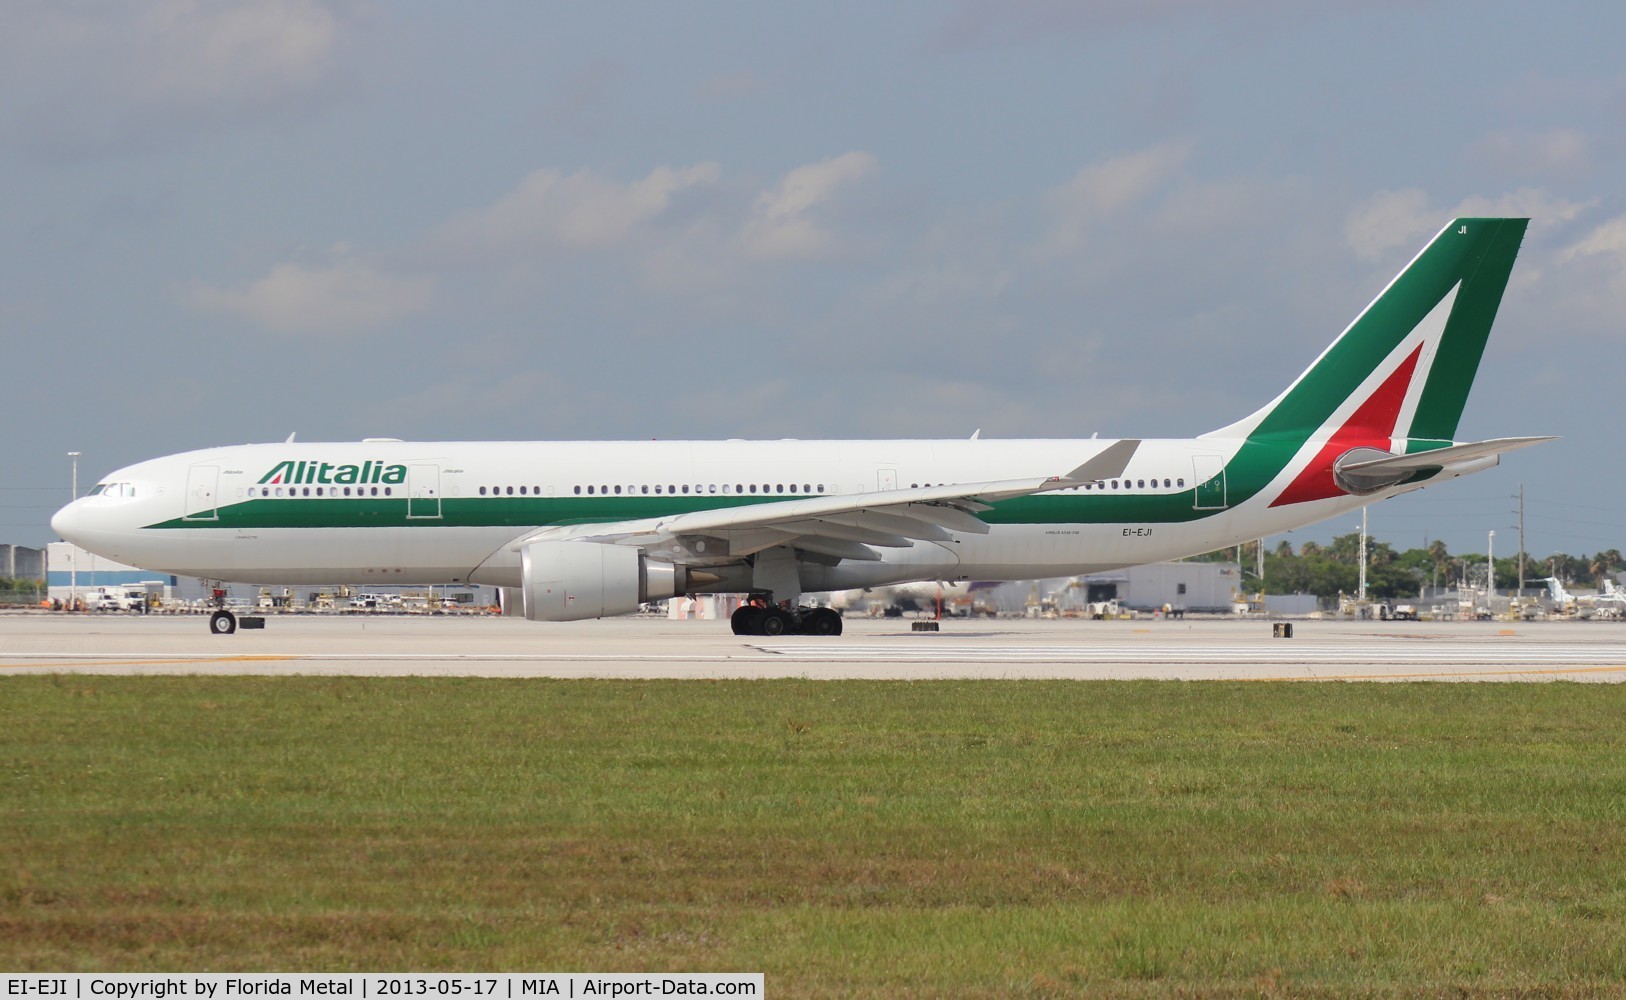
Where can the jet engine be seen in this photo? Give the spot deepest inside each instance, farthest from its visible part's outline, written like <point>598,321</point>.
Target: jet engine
<point>569,581</point>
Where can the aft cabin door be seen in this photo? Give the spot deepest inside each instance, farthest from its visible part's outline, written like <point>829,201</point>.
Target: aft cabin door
<point>1209,473</point>
<point>202,487</point>
<point>423,491</point>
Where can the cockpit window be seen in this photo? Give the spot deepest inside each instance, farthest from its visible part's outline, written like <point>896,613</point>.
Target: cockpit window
<point>113,490</point>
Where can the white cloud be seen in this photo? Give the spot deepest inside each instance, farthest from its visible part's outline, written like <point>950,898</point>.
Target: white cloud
<point>1608,239</point>
<point>1105,189</point>
<point>349,297</point>
<point>1397,219</point>
<point>1555,151</point>
<point>213,51</point>
<point>102,75</point>
<point>1540,207</point>
<point>780,223</point>
<point>580,211</point>
<point>1390,219</point>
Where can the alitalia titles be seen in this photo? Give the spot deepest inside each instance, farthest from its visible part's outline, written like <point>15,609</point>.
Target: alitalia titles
<point>326,472</point>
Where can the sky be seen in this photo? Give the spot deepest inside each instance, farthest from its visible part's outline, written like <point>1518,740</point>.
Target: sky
<point>229,222</point>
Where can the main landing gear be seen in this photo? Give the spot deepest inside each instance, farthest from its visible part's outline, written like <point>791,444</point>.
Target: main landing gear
<point>752,619</point>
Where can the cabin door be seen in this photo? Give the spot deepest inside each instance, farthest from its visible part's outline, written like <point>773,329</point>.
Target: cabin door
<point>423,491</point>
<point>1209,473</point>
<point>202,487</point>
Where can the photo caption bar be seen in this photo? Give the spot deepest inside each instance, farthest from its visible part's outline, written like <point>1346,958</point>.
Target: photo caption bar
<point>379,985</point>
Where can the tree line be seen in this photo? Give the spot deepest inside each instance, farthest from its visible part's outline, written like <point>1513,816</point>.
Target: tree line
<point>1327,570</point>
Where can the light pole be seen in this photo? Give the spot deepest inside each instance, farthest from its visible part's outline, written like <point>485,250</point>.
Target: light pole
<point>1490,569</point>
<point>1363,554</point>
<point>73,561</point>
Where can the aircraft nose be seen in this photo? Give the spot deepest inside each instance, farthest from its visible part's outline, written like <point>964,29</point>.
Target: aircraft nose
<point>68,522</point>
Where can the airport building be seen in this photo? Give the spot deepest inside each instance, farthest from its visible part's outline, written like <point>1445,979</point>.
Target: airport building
<point>1204,587</point>
<point>18,562</point>
<point>71,570</point>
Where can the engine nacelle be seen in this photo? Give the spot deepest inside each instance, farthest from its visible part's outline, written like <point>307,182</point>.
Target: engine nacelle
<point>570,581</point>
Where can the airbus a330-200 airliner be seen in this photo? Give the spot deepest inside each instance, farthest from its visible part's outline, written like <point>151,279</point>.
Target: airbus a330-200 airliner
<point>591,529</point>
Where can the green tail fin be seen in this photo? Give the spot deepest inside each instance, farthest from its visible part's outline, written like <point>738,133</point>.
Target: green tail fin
<point>1412,353</point>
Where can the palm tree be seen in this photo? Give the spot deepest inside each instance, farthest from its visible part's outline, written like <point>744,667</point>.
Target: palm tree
<point>1603,565</point>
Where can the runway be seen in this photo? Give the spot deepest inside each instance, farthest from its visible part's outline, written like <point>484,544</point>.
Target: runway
<point>641,647</point>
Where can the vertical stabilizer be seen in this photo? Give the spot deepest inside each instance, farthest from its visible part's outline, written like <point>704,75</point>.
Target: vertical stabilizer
<point>1403,368</point>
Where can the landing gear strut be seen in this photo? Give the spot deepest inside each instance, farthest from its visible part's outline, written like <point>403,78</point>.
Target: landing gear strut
<point>753,619</point>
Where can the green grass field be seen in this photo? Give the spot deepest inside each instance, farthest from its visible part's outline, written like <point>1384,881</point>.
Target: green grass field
<point>884,838</point>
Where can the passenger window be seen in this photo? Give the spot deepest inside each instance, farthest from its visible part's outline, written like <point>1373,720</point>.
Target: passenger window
<point>1180,483</point>
<point>753,487</point>
<point>1140,484</point>
<point>685,487</point>
<point>618,491</point>
<point>578,491</point>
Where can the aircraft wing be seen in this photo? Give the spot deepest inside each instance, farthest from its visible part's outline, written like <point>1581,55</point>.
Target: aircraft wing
<point>843,526</point>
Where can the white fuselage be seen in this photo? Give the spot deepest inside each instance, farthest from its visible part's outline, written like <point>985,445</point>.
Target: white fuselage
<point>421,512</point>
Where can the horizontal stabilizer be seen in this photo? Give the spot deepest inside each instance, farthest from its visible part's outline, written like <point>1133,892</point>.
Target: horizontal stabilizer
<point>1442,457</point>
<point>1367,470</point>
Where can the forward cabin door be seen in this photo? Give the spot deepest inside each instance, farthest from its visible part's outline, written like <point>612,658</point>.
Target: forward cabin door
<point>202,487</point>
<point>423,491</point>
